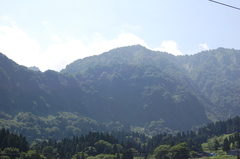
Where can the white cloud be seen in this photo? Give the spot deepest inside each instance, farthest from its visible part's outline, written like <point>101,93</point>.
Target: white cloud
<point>169,47</point>
<point>25,50</point>
<point>18,46</point>
<point>55,38</point>
<point>124,39</point>
<point>204,46</point>
<point>5,19</point>
<point>57,56</point>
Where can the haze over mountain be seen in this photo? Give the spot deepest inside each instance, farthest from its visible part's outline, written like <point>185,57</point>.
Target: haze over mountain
<point>213,72</point>
<point>51,34</point>
<point>34,68</point>
<point>132,86</point>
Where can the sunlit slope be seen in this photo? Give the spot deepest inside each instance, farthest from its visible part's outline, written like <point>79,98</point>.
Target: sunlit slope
<point>217,75</point>
<point>151,92</point>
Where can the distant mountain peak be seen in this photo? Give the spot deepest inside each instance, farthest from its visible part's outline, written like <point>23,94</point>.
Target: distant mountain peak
<point>34,68</point>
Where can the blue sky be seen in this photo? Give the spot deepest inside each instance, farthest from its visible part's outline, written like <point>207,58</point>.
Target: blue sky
<point>50,34</point>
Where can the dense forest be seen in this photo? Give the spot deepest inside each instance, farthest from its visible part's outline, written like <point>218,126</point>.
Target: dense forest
<point>215,73</point>
<point>130,89</point>
<point>125,145</point>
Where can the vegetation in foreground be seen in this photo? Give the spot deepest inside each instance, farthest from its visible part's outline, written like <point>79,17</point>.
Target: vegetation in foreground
<point>214,137</point>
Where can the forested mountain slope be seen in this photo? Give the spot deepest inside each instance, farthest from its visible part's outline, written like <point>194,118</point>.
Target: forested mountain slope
<point>215,73</point>
<point>144,93</point>
<point>138,94</point>
<point>128,88</point>
<point>218,137</point>
<point>23,89</point>
<point>134,55</point>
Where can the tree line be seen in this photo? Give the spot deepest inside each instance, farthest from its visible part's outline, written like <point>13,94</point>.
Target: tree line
<point>120,144</point>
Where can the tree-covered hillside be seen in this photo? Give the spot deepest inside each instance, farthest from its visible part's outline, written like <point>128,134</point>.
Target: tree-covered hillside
<point>215,73</point>
<point>155,98</point>
<point>218,137</point>
<point>128,88</point>
<point>133,55</point>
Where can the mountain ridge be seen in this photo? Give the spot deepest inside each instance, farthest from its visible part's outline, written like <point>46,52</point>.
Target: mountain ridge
<point>131,85</point>
<point>217,61</point>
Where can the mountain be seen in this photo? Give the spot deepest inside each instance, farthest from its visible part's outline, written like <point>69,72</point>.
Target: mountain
<point>34,68</point>
<point>135,55</point>
<point>130,86</point>
<point>215,74</point>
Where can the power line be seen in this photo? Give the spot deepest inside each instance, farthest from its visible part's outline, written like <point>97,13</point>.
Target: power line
<point>224,4</point>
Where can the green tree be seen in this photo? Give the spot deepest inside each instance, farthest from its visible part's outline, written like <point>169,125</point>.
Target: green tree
<point>48,151</point>
<point>31,154</point>
<point>127,154</point>
<point>90,150</point>
<point>226,146</point>
<point>4,157</point>
<point>161,151</point>
<point>118,156</point>
<point>216,144</point>
<point>80,155</point>
<point>179,151</point>
<point>12,152</point>
<point>103,146</point>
